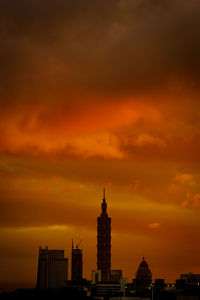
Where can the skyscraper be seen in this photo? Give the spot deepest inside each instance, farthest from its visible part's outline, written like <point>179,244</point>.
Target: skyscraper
<point>52,269</point>
<point>104,241</point>
<point>143,276</point>
<point>76,267</point>
<point>143,272</point>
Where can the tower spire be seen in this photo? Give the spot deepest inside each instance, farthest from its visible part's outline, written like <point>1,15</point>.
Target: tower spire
<point>104,194</point>
<point>104,204</point>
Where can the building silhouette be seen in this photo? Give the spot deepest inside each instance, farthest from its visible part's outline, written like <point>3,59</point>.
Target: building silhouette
<point>76,263</point>
<point>143,276</point>
<point>52,269</point>
<point>115,276</point>
<point>96,276</point>
<point>190,278</point>
<point>104,241</point>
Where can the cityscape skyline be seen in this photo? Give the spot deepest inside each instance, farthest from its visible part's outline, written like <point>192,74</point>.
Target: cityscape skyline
<point>87,274</point>
<point>100,94</point>
<point>53,267</point>
<point>52,272</point>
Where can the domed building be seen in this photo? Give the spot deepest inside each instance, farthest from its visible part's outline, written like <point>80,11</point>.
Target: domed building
<point>143,272</point>
<point>143,276</point>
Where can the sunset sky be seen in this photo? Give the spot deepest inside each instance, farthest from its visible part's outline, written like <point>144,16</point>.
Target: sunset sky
<point>92,94</point>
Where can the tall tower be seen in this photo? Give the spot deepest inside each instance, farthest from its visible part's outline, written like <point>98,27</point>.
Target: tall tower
<point>104,240</point>
<point>76,269</point>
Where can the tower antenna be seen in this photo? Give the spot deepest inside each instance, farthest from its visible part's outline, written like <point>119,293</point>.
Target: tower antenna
<point>104,193</point>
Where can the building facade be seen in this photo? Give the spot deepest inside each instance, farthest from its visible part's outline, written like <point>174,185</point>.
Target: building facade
<point>96,276</point>
<point>52,269</point>
<point>190,278</point>
<point>143,276</point>
<point>104,241</point>
<point>76,264</point>
<point>115,276</point>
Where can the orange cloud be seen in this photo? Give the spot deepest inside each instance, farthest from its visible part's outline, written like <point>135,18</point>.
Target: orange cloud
<point>192,201</point>
<point>134,186</point>
<point>154,225</point>
<point>71,188</point>
<point>181,183</point>
<point>183,178</point>
<point>86,132</point>
<point>97,145</point>
<point>145,139</point>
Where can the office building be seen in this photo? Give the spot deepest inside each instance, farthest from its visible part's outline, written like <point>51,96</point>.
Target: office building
<point>108,288</point>
<point>191,278</point>
<point>159,283</point>
<point>96,276</point>
<point>76,264</point>
<point>115,276</point>
<point>52,269</point>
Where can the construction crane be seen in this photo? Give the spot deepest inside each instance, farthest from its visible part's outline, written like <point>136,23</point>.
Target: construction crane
<point>78,244</point>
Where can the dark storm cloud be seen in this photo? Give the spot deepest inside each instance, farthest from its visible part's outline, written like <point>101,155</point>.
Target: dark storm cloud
<point>50,49</point>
